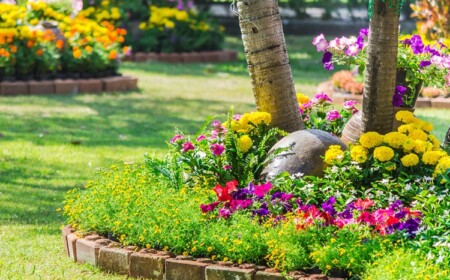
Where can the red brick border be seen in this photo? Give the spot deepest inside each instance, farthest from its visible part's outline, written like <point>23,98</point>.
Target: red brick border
<point>422,102</point>
<point>153,264</point>
<point>192,57</point>
<point>61,87</point>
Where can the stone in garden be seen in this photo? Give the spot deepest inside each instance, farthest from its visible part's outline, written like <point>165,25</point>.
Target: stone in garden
<point>148,266</point>
<point>220,272</point>
<point>87,251</point>
<point>185,270</point>
<point>306,149</point>
<point>266,275</point>
<point>114,260</point>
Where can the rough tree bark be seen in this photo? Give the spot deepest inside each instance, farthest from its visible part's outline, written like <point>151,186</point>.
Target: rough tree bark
<point>268,63</point>
<point>381,68</point>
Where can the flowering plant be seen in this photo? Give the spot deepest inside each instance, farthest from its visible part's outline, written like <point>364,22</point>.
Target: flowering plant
<point>234,150</point>
<point>417,62</point>
<point>319,113</point>
<point>178,30</point>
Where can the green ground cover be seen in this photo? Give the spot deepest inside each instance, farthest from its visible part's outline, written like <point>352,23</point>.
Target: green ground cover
<point>50,144</point>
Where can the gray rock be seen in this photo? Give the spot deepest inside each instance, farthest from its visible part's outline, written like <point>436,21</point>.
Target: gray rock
<point>305,153</point>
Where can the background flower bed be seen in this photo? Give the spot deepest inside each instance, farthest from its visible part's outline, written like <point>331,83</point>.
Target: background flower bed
<point>40,42</point>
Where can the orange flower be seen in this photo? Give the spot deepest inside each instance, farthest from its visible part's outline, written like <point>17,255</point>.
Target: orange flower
<point>40,52</point>
<point>88,49</point>
<point>13,49</point>
<point>30,44</point>
<point>9,39</point>
<point>59,44</point>
<point>77,53</point>
<point>112,54</point>
<point>120,39</point>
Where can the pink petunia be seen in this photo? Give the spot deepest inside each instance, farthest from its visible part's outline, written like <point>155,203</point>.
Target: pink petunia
<point>333,115</point>
<point>321,98</point>
<point>350,104</point>
<point>320,43</point>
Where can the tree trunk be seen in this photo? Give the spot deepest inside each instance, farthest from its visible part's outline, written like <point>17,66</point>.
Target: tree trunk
<point>268,63</point>
<point>381,68</point>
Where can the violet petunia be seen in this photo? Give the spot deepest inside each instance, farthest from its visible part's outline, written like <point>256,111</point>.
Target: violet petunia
<point>417,45</point>
<point>400,90</point>
<point>328,206</point>
<point>397,100</point>
<point>327,61</point>
<point>424,63</point>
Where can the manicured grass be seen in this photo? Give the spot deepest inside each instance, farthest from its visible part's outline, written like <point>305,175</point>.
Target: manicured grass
<point>50,144</point>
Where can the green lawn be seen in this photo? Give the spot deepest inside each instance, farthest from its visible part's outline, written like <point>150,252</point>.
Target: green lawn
<point>50,144</point>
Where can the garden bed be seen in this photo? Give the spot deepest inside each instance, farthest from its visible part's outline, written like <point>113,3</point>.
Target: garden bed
<point>339,96</point>
<point>153,264</point>
<point>69,86</point>
<point>186,57</point>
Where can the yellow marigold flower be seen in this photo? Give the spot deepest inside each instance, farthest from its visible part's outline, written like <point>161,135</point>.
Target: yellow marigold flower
<point>395,139</point>
<point>410,160</point>
<point>409,144</point>
<point>418,134</point>
<point>244,143</point>
<point>358,153</point>
<point>383,153</point>
<point>302,99</point>
<point>169,24</point>
<point>333,153</point>
<point>442,166</point>
<point>371,139</point>
<point>420,146</point>
<point>260,117</point>
<point>407,128</point>
<point>432,157</point>
<point>426,126</point>
<point>34,21</point>
<point>405,116</point>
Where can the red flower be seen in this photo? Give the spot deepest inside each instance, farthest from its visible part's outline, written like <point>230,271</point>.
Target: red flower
<point>363,204</point>
<point>224,193</point>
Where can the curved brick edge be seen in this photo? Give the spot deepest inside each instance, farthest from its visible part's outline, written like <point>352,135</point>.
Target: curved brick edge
<point>340,97</point>
<point>110,256</point>
<point>191,57</point>
<point>110,84</point>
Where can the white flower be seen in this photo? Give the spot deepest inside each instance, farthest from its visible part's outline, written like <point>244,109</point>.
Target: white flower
<point>408,187</point>
<point>385,181</point>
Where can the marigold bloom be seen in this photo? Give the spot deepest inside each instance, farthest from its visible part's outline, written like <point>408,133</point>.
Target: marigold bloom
<point>383,153</point>
<point>432,157</point>
<point>59,44</point>
<point>302,99</point>
<point>358,153</point>
<point>30,44</point>
<point>244,143</point>
<point>39,52</point>
<point>410,160</point>
<point>371,139</point>
<point>77,53</point>
<point>442,166</point>
<point>333,153</point>
<point>395,139</point>
<point>112,55</point>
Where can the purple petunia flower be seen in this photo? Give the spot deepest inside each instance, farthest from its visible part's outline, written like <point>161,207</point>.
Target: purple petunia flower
<point>431,50</point>
<point>425,63</point>
<point>397,100</point>
<point>217,149</point>
<point>333,115</point>
<point>328,207</point>
<point>326,60</point>
<point>410,226</point>
<point>400,90</point>
<point>396,205</point>
<point>263,211</point>
<point>240,204</point>
<point>360,42</point>
<point>346,214</point>
<point>417,44</point>
<point>224,213</point>
<point>364,32</point>
<point>282,196</point>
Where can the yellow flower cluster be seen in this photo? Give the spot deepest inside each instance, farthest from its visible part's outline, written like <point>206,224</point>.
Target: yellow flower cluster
<point>333,154</point>
<point>442,166</point>
<point>11,15</point>
<point>164,17</point>
<point>432,157</point>
<point>302,99</point>
<point>410,160</point>
<point>249,120</point>
<point>371,139</point>
<point>101,14</point>
<point>244,143</point>
<point>383,153</point>
<point>358,153</point>
<point>395,139</point>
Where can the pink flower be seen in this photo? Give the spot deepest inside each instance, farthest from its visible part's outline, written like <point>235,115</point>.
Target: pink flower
<point>261,190</point>
<point>237,117</point>
<point>333,115</point>
<point>336,45</point>
<point>227,167</point>
<point>321,98</point>
<point>217,149</point>
<point>352,50</point>
<point>320,43</point>
<point>349,104</point>
<point>176,138</point>
<point>188,146</point>
<point>200,138</point>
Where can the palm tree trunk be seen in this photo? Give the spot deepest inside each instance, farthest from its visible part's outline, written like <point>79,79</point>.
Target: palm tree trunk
<point>381,68</point>
<point>268,63</point>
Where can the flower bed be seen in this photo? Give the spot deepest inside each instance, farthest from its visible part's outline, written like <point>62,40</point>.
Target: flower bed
<point>39,42</point>
<point>383,201</point>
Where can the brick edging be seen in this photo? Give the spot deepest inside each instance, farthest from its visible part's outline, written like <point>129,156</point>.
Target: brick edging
<point>110,256</point>
<point>69,86</point>
<point>422,102</point>
<point>187,57</point>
